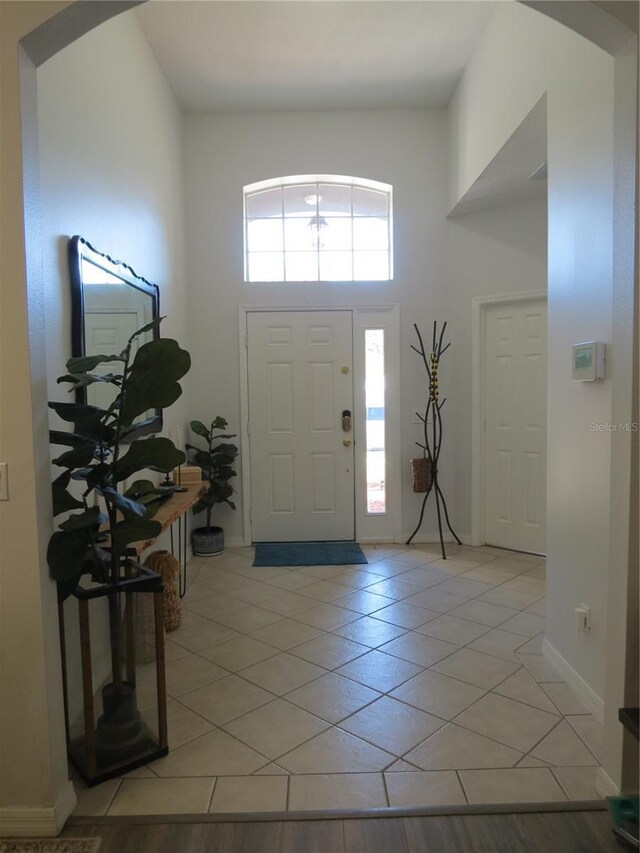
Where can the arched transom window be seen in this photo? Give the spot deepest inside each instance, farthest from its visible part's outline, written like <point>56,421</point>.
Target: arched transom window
<point>318,228</point>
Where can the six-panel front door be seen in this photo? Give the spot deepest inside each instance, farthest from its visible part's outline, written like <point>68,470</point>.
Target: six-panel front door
<point>301,459</point>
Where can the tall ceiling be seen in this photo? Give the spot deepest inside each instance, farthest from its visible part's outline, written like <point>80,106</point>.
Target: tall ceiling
<point>312,54</point>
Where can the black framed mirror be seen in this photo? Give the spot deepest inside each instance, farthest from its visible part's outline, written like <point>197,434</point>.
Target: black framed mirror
<point>109,302</point>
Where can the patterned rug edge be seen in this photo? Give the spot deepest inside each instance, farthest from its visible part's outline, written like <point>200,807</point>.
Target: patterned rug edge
<point>49,845</point>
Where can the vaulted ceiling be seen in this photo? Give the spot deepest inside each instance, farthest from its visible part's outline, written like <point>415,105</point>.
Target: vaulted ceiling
<point>312,54</point>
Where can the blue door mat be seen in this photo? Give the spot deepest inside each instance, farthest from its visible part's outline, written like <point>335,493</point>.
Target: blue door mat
<point>308,554</point>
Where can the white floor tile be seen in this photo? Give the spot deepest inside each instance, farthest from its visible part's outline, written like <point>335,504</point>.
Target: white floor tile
<point>526,785</point>
<point>337,791</point>
<point>412,790</point>
<point>455,748</point>
<point>512,723</point>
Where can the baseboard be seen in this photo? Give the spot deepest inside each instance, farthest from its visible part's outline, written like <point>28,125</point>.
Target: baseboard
<point>65,804</point>
<point>586,694</point>
<point>39,823</point>
<point>234,542</point>
<point>605,785</point>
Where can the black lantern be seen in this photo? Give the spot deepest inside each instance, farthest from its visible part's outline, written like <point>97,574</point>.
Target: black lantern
<point>114,680</point>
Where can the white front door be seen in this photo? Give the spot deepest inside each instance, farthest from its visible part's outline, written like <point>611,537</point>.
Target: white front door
<point>515,419</point>
<point>301,461</point>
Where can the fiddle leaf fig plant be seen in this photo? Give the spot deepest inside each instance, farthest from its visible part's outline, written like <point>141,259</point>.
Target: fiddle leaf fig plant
<point>107,446</point>
<point>216,462</point>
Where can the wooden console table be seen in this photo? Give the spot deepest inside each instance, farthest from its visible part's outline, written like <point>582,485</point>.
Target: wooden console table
<point>173,509</point>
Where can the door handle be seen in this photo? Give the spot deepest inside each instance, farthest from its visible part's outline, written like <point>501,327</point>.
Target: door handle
<point>346,421</point>
<point>346,442</point>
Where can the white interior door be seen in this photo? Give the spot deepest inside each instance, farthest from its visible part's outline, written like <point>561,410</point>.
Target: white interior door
<point>515,420</point>
<point>300,381</point>
<point>107,333</point>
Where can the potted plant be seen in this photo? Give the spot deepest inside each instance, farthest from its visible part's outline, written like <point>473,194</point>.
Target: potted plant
<point>216,462</point>
<point>107,446</point>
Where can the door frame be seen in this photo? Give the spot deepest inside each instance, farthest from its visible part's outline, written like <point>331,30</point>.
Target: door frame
<point>479,306</point>
<point>385,527</point>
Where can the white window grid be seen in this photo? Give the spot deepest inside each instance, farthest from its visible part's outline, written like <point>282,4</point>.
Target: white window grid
<point>312,184</point>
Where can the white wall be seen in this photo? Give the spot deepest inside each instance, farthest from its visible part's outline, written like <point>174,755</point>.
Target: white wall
<point>111,170</point>
<point>492,252</point>
<point>406,148</point>
<point>110,161</point>
<point>35,797</point>
<point>522,55</point>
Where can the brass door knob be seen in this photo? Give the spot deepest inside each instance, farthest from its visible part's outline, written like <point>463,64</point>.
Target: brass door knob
<point>346,442</point>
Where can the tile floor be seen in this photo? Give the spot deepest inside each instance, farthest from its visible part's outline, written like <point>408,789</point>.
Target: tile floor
<point>411,681</point>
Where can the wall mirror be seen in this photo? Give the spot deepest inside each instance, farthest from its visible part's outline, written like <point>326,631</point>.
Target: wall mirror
<point>109,301</point>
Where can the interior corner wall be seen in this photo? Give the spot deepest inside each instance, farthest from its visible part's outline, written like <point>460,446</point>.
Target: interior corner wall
<point>492,252</point>
<point>223,153</point>
<point>521,56</point>
<point>111,170</point>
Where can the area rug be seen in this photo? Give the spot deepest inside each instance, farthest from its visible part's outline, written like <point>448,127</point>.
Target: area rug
<point>308,554</point>
<point>49,845</point>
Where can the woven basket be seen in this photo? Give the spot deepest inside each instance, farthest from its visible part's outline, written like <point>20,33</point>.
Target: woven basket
<point>421,474</point>
<point>166,565</point>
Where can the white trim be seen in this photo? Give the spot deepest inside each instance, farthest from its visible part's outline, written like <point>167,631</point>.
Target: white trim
<point>605,785</point>
<point>586,694</point>
<point>39,822</point>
<point>388,527</point>
<point>479,305</point>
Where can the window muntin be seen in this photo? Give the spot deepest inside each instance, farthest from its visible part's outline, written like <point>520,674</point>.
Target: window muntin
<point>318,228</point>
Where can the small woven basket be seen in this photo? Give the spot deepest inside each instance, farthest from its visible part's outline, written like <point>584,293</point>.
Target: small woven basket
<point>421,474</point>
<point>166,565</point>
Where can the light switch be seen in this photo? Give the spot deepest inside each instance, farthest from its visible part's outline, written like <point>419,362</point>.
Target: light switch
<point>4,481</point>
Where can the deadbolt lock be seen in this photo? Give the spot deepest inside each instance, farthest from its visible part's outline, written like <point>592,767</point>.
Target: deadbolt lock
<point>344,369</point>
<point>346,442</point>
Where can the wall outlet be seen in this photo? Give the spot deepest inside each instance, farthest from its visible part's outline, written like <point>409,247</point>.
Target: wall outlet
<point>583,618</point>
<point>4,481</point>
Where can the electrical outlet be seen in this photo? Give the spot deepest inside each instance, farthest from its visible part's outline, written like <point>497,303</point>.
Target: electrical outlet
<point>583,618</point>
<point>4,481</point>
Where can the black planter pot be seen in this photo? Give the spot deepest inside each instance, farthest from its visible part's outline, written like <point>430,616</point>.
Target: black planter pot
<point>207,541</point>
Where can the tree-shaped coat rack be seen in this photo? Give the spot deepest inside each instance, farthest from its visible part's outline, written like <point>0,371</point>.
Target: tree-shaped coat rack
<point>432,445</point>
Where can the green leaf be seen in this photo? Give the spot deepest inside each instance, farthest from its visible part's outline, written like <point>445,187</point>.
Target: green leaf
<point>146,328</point>
<point>75,412</point>
<point>218,423</point>
<point>123,503</point>
<point>63,500</point>
<point>86,363</point>
<point>200,429</point>
<point>65,588</point>
<point>81,380</point>
<point>156,454</point>
<point>80,520</point>
<point>139,489</point>
<point>203,459</point>
<point>131,530</point>
<point>71,439</point>
<point>66,555</point>
<point>99,476</point>
<point>141,428</point>
<point>78,457</point>
<point>88,421</point>
<point>152,382</point>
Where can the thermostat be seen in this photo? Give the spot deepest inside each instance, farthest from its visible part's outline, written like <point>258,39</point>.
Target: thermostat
<point>588,360</point>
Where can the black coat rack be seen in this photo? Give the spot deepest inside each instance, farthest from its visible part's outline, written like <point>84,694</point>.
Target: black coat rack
<point>433,438</point>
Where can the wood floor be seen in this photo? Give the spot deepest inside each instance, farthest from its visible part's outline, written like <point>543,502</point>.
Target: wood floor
<point>558,832</point>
